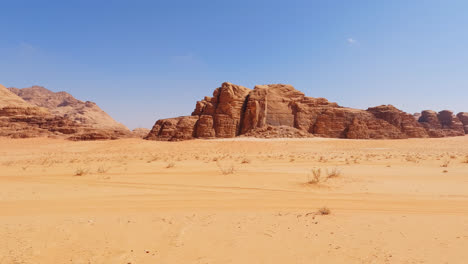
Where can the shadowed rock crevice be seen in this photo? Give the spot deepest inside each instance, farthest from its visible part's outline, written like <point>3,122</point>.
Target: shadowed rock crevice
<point>244,108</point>
<point>235,110</point>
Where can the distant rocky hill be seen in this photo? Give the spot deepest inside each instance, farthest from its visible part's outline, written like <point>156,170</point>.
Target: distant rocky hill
<point>38,117</point>
<point>267,110</point>
<point>63,104</point>
<point>140,132</point>
<point>8,99</point>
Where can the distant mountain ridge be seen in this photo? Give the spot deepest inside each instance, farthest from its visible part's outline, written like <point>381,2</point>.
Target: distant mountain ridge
<point>64,104</point>
<point>48,114</point>
<point>10,99</point>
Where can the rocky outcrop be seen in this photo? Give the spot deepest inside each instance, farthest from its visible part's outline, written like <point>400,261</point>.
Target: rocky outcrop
<point>9,99</point>
<point>63,104</point>
<point>463,117</point>
<point>35,122</point>
<point>20,119</point>
<point>140,132</point>
<point>442,124</point>
<point>24,122</point>
<point>220,115</point>
<point>267,110</point>
<point>174,129</point>
<point>404,122</point>
<point>273,105</point>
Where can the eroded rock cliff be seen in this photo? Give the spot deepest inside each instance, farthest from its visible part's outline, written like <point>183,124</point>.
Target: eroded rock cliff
<point>267,110</point>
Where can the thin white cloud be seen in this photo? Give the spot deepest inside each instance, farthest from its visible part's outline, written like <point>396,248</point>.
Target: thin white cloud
<point>352,41</point>
<point>26,49</point>
<point>187,60</point>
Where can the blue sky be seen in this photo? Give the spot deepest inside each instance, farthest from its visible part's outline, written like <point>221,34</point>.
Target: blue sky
<point>145,60</point>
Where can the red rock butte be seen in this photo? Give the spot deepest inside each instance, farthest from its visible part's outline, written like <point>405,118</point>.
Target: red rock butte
<point>279,110</point>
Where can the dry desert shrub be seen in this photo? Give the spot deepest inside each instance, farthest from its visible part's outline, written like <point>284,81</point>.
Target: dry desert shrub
<point>465,160</point>
<point>445,164</point>
<point>333,173</point>
<point>81,172</point>
<point>102,169</point>
<point>153,157</point>
<point>324,211</point>
<point>245,161</point>
<point>226,169</point>
<point>410,158</point>
<point>315,176</point>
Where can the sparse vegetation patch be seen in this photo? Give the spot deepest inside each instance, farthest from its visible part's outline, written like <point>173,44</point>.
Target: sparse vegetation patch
<point>314,177</point>
<point>81,172</point>
<point>226,169</point>
<point>324,211</point>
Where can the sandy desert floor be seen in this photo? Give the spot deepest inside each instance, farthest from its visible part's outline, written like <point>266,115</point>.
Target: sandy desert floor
<point>234,201</point>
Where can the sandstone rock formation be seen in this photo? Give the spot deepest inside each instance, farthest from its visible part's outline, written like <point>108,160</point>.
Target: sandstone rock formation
<point>267,110</point>
<point>20,119</point>
<point>442,124</point>
<point>63,104</point>
<point>140,132</point>
<point>8,99</point>
<point>463,117</point>
<point>404,122</point>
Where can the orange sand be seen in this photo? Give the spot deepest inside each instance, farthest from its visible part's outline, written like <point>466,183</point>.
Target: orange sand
<point>141,201</point>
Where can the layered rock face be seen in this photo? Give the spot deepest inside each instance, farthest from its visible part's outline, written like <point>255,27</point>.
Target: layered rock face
<point>217,116</point>
<point>140,132</point>
<point>267,110</point>
<point>20,119</point>
<point>9,99</point>
<point>404,122</point>
<point>442,124</point>
<point>463,117</point>
<point>220,115</point>
<point>63,104</point>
